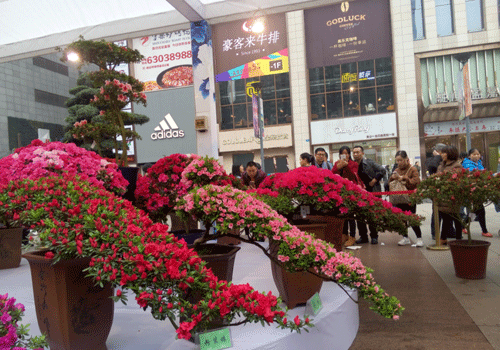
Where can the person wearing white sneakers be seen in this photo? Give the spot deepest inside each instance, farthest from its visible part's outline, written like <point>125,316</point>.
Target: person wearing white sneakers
<point>409,176</point>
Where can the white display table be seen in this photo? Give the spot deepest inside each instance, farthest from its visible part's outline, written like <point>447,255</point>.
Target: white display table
<point>336,325</point>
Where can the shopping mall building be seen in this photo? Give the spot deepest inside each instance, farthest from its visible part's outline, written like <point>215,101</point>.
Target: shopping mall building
<point>381,74</point>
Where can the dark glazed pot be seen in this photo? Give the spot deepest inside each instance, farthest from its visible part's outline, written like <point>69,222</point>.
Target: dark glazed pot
<point>10,247</point>
<point>73,312</point>
<point>220,258</point>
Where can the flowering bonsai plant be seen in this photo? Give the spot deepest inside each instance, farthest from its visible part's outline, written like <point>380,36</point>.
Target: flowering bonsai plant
<point>460,188</point>
<point>12,334</point>
<point>331,194</point>
<point>227,208</point>
<point>114,91</point>
<point>172,177</point>
<point>77,219</point>
<point>41,159</point>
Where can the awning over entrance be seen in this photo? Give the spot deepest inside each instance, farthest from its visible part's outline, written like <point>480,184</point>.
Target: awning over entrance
<point>449,111</point>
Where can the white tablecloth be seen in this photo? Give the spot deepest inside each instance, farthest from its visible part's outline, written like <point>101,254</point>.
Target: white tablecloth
<point>336,325</point>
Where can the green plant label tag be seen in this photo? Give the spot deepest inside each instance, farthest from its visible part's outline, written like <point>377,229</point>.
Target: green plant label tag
<point>315,304</point>
<point>215,340</point>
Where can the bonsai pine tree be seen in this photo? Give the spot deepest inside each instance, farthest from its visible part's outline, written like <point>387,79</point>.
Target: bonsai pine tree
<point>95,110</point>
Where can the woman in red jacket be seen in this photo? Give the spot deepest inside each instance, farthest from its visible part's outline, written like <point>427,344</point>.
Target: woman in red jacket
<point>348,169</point>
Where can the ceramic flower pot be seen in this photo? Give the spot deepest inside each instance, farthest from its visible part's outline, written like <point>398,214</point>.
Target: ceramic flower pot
<point>10,247</point>
<point>469,260</point>
<point>333,230</point>
<point>220,258</point>
<point>227,240</point>
<point>71,310</point>
<point>294,287</point>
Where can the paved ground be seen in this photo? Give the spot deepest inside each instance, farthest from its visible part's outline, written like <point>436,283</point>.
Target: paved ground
<point>434,318</point>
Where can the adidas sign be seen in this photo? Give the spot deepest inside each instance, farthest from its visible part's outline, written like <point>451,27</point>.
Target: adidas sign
<point>167,129</point>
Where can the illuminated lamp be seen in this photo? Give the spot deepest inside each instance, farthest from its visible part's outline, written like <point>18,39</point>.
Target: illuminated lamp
<point>73,57</point>
<point>254,25</point>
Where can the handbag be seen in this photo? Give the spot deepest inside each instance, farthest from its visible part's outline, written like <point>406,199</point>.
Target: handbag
<point>397,185</point>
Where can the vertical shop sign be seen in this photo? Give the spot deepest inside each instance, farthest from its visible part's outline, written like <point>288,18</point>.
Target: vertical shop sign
<point>167,60</point>
<point>349,31</point>
<point>250,48</point>
<point>467,92</point>
<point>255,115</point>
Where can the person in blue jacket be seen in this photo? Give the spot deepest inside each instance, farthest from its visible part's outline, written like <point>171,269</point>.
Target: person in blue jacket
<point>473,162</point>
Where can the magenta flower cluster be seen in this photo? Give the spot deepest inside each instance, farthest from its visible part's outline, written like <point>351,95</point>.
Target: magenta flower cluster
<point>40,159</point>
<point>12,335</point>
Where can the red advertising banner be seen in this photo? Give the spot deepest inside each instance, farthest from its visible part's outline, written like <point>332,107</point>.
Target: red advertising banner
<point>349,31</point>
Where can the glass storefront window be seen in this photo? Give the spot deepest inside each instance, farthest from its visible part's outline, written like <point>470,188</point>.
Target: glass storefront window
<point>240,116</point>
<point>360,88</point>
<point>385,102</point>
<point>383,71</point>
<point>334,105</point>
<point>236,106</point>
<point>351,104</point>
<point>316,80</point>
<point>282,86</point>
<point>284,111</point>
<point>268,90</point>
<point>381,151</point>
<point>270,112</point>
<point>349,76</point>
<point>318,110</point>
<point>333,78</point>
<point>366,75</point>
<point>239,91</point>
<point>368,101</point>
<point>227,120</point>
<point>492,154</point>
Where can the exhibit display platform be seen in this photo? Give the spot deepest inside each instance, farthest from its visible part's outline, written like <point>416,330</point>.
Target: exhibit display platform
<point>336,325</point>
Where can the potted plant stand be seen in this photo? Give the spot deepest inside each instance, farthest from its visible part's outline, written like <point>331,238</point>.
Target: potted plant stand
<point>469,259</point>
<point>10,247</point>
<point>71,310</point>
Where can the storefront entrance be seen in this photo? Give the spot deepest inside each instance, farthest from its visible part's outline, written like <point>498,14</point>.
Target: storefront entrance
<point>487,143</point>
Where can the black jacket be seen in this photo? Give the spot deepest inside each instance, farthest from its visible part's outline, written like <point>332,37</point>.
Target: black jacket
<point>433,163</point>
<point>372,170</point>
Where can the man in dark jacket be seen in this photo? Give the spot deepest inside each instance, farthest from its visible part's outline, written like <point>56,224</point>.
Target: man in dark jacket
<point>253,176</point>
<point>371,174</point>
<point>432,165</point>
<point>433,162</point>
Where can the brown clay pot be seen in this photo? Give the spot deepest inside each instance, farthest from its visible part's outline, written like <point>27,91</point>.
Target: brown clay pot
<point>10,247</point>
<point>294,287</point>
<point>220,258</point>
<point>73,312</point>
<point>227,240</point>
<point>333,231</point>
<point>469,260</point>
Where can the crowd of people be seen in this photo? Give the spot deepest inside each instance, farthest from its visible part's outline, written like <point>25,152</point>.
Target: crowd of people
<point>372,177</point>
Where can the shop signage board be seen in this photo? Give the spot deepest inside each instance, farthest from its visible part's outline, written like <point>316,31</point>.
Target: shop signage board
<point>244,139</point>
<point>171,127</point>
<point>349,31</point>
<point>458,127</point>
<point>372,127</point>
<point>241,53</point>
<point>167,60</point>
